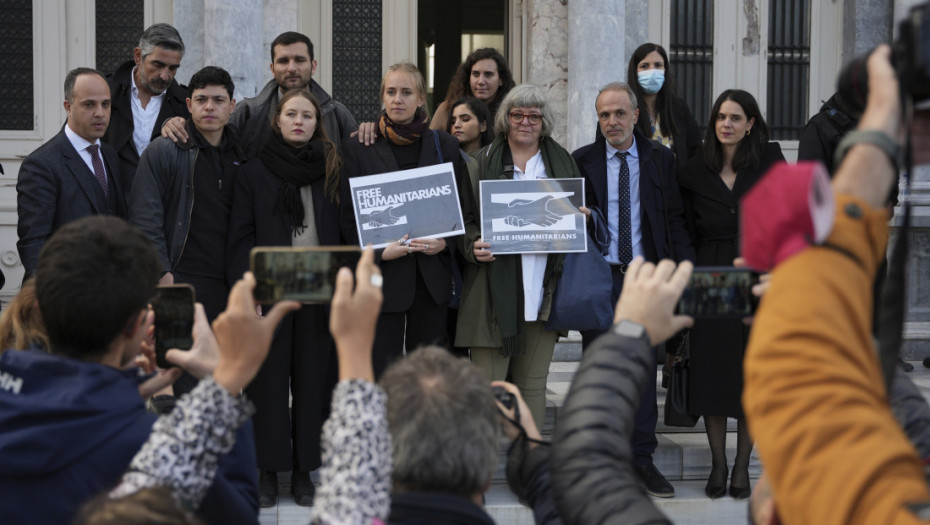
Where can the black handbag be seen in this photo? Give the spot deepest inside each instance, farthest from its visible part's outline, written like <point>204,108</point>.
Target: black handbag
<point>676,399</point>
<point>582,296</point>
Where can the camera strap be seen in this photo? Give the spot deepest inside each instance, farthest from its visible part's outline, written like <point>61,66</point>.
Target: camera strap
<point>894,294</point>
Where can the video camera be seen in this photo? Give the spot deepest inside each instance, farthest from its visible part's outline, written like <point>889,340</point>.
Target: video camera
<point>910,56</point>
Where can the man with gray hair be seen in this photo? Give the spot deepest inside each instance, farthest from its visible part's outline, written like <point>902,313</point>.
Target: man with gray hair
<point>631,179</point>
<point>145,94</point>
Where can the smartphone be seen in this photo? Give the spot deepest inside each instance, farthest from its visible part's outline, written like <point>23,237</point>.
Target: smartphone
<point>174,320</point>
<point>306,274</point>
<point>719,292</point>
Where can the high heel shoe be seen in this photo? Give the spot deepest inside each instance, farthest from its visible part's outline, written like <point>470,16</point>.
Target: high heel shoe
<point>716,483</point>
<point>737,492</point>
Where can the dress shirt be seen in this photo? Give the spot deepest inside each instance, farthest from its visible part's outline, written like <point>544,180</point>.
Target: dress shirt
<point>143,119</point>
<point>81,145</point>
<point>534,265</point>
<point>613,201</point>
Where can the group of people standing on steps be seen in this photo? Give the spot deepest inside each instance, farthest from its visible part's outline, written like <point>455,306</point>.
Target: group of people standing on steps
<point>207,179</point>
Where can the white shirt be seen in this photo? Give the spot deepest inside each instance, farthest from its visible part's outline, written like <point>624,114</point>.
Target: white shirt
<point>81,145</point>
<point>534,265</point>
<point>143,119</point>
<point>613,202</point>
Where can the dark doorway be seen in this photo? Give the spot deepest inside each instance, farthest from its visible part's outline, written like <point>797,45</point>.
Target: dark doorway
<point>448,30</point>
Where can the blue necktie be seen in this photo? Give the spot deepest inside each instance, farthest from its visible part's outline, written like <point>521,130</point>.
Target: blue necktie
<point>625,238</point>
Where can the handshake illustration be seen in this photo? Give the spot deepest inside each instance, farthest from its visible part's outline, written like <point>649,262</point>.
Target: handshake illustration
<point>544,211</point>
<point>383,217</point>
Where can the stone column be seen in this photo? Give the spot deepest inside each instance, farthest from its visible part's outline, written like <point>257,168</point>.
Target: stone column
<point>602,35</point>
<point>866,23</point>
<point>547,57</point>
<point>233,31</point>
<point>189,21</point>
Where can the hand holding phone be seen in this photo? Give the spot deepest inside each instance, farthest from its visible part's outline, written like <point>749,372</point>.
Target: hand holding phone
<point>720,292</point>
<point>306,274</point>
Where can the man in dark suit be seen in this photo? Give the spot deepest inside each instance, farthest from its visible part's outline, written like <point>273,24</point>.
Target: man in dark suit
<point>631,179</point>
<point>73,174</point>
<point>145,95</point>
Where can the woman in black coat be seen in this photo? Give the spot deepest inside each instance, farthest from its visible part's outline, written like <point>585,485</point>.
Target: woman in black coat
<point>288,197</point>
<point>417,272</point>
<point>663,115</point>
<point>735,155</point>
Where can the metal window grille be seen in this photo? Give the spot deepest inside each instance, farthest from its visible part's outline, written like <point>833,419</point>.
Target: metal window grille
<point>788,67</point>
<point>357,51</point>
<point>119,25</point>
<point>16,80</point>
<point>691,54</point>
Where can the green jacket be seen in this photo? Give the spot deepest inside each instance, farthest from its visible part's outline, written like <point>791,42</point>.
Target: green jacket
<point>477,324</point>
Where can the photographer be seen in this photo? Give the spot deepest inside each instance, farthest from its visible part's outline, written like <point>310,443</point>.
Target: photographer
<point>814,395</point>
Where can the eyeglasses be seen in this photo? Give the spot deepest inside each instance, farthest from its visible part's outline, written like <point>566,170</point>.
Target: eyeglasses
<point>517,118</point>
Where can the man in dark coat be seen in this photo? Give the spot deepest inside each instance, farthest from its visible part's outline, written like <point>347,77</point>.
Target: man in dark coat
<point>73,174</point>
<point>145,94</point>
<point>631,179</point>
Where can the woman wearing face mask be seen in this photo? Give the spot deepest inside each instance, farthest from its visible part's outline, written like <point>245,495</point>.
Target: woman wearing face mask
<point>663,115</point>
<point>288,197</point>
<point>417,272</point>
<point>471,124</point>
<point>484,75</point>
<point>735,155</point>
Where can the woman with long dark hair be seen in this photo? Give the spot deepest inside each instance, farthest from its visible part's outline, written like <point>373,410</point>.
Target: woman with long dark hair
<point>664,116</point>
<point>417,272</point>
<point>735,155</point>
<point>288,197</point>
<point>484,75</point>
<point>471,124</point>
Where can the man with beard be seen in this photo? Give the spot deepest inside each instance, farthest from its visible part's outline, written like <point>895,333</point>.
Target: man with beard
<point>145,94</point>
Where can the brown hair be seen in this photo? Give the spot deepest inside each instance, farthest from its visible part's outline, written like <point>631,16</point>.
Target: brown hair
<point>460,85</point>
<point>21,323</point>
<point>333,161</point>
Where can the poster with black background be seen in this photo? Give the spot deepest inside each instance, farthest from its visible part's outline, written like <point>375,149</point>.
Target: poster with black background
<point>420,202</point>
<point>533,216</point>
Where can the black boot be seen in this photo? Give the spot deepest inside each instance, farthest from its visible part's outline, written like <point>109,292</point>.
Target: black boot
<point>267,488</point>
<point>302,488</point>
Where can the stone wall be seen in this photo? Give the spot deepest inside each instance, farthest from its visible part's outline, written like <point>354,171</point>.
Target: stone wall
<point>547,57</point>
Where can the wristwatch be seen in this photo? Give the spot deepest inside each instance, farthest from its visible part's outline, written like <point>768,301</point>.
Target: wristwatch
<point>632,330</point>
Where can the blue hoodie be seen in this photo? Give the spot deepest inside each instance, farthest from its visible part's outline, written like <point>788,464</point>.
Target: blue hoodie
<point>68,430</point>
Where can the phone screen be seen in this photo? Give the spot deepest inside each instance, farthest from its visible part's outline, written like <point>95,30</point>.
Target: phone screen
<point>719,292</point>
<point>174,320</point>
<point>307,275</point>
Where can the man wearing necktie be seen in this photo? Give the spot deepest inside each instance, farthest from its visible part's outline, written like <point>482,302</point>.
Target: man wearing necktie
<point>73,174</point>
<point>631,179</point>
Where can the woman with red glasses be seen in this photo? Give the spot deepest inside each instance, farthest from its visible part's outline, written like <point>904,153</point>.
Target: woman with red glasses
<point>506,299</point>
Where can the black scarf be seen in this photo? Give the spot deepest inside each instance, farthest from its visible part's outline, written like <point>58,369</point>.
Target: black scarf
<point>403,134</point>
<point>296,167</point>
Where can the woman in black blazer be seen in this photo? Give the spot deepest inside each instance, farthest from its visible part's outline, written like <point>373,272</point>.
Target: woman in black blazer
<point>417,272</point>
<point>735,155</point>
<point>288,197</point>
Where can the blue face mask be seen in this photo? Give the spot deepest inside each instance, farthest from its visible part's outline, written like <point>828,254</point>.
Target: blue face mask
<point>651,80</point>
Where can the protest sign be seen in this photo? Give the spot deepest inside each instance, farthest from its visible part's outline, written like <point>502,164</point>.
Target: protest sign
<point>420,202</point>
<point>533,216</point>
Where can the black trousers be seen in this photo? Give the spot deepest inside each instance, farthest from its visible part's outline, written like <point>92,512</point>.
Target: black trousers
<point>212,293</point>
<point>302,365</point>
<point>423,324</point>
<point>644,440</point>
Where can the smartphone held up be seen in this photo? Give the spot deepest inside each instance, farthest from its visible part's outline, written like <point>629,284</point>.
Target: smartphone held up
<point>174,320</point>
<point>305,274</point>
<point>720,292</point>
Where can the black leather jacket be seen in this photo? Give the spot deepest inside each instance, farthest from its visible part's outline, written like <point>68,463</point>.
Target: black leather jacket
<point>592,473</point>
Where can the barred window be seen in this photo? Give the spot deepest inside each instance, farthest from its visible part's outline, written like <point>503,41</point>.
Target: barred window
<point>16,76</point>
<point>691,54</point>
<point>119,25</point>
<point>357,50</point>
<point>789,57</point>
